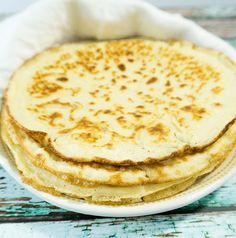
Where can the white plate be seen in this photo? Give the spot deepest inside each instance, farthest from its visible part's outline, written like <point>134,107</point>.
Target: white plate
<point>202,188</point>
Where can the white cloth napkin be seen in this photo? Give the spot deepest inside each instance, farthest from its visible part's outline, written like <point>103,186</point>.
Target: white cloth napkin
<point>49,22</point>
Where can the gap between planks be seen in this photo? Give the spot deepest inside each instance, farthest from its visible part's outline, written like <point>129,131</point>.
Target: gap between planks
<point>70,216</point>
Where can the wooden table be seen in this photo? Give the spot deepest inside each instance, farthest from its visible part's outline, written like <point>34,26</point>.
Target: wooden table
<point>24,215</point>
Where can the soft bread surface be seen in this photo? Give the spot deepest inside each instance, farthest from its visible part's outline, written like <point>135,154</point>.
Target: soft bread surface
<point>124,102</point>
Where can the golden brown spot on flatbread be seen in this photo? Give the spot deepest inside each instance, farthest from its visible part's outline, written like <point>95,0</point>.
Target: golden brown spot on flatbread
<point>151,80</point>
<point>88,137</point>
<point>177,98</point>
<point>107,111</point>
<point>74,91</point>
<point>121,67</point>
<point>43,88</point>
<point>167,83</point>
<point>196,111</point>
<point>168,91</point>
<point>62,79</point>
<point>83,123</point>
<point>106,67</point>
<point>123,87</point>
<point>217,104</point>
<point>122,121</point>
<point>159,130</point>
<point>51,118</point>
<point>140,106</point>
<point>181,121</point>
<point>217,90</point>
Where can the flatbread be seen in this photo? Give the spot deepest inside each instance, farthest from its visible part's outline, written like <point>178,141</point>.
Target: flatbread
<point>165,171</point>
<point>45,181</point>
<point>85,173</point>
<point>168,192</point>
<point>96,193</point>
<point>124,102</point>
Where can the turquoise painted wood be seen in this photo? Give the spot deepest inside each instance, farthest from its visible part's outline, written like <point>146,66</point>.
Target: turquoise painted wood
<point>24,215</point>
<point>187,226</point>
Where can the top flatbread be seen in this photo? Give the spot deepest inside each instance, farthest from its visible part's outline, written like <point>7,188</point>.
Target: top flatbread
<point>124,102</point>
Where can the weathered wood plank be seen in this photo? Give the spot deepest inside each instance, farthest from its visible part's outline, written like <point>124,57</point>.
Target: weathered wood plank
<point>199,226</point>
<point>16,201</point>
<point>17,204</point>
<point>226,30</point>
<point>210,12</point>
<point>211,18</point>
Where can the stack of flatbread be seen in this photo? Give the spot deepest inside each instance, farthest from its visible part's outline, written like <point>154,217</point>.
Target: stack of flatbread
<point>120,122</point>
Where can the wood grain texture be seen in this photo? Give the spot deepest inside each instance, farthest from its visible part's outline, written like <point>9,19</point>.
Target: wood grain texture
<point>211,12</point>
<point>195,226</point>
<point>218,20</point>
<point>212,216</point>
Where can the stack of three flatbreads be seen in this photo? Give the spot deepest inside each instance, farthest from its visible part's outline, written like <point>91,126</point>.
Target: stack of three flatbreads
<point>120,122</point>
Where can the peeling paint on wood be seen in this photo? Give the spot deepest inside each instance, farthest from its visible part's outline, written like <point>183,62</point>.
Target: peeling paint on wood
<point>211,12</point>
<point>193,225</point>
